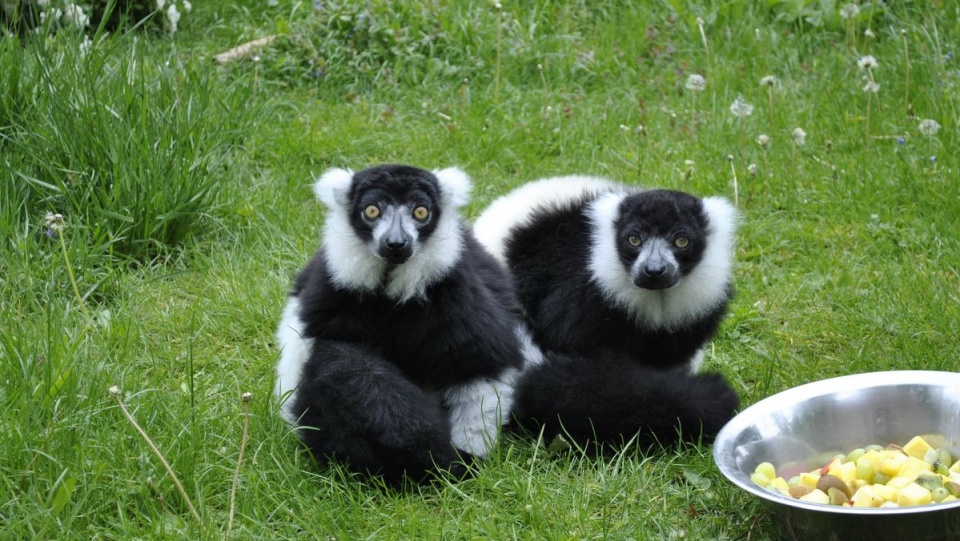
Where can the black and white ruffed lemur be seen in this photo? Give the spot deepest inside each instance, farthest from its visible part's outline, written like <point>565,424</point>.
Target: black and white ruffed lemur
<point>402,337</point>
<point>622,288</point>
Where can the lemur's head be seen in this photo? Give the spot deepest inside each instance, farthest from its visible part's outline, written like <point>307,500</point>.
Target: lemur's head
<point>661,236</point>
<point>392,217</point>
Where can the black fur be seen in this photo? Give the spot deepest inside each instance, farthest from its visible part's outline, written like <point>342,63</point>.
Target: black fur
<point>606,400</point>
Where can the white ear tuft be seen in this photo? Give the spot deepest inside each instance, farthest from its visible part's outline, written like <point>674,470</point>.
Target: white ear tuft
<point>454,185</point>
<point>333,187</point>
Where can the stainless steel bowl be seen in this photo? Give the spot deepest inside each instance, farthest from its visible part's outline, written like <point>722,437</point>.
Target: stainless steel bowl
<point>838,415</point>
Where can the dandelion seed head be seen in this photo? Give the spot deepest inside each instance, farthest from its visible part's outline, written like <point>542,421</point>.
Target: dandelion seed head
<point>752,169</point>
<point>769,80</point>
<point>928,127</point>
<point>114,390</point>
<point>869,34</point>
<point>699,21</point>
<point>740,108</point>
<point>173,15</point>
<point>868,62</point>
<point>696,83</point>
<point>54,222</point>
<point>74,14</point>
<point>729,157</point>
<point>763,140</point>
<point>849,11</point>
<point>187,6</point>
<point>161,4</point>
<point>871,87</point>
<point>246,397</point>
<point>799,137</point>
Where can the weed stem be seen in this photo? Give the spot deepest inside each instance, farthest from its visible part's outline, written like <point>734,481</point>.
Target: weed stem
<point>115,391</point>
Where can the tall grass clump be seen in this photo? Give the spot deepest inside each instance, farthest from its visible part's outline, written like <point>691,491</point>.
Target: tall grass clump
<point>125,143</point>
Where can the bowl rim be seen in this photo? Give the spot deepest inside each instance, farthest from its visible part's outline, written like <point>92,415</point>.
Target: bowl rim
<point>724,449</point>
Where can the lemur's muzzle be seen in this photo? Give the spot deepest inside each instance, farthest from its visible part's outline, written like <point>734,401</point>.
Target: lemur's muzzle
<point>656,267</point>
<point>396,245</point>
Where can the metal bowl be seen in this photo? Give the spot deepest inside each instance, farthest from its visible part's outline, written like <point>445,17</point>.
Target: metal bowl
<point>816,420</point>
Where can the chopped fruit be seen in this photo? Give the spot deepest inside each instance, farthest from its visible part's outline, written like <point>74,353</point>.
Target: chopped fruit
<point>872,476</point>
<point>917,447</point>
<point>816,496</point>
<point>912,495</point>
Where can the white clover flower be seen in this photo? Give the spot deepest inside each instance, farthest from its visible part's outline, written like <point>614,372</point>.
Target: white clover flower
<point>869,34</point>
<point>763,140</point>
<point>74,15</point>
<point>871,87</point>
<point>696,83</point>
<point>867,62</point>
<point>752,169</point>
<point>187,6</point>
<point>928,127</point>
<point>799,137</point>
<point>173,15</point>
<point>769,80</point>
<point>740,108</point>
<point>849,11</point>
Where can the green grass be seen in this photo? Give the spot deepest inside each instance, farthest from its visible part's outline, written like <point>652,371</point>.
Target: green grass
<point>190,208</point>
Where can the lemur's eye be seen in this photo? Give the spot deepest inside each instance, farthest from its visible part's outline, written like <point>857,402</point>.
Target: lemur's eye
<point>372,212</point>
<point>421,213</point>
<point>681,242</point>
<point>634,240</point>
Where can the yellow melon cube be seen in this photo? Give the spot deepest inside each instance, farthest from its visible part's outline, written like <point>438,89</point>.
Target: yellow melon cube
<point>872,457</point>
<point>917,447</point>
<point>900,481</point>
<point>956,467</point>
<point>913,467</point>
<point>866,497</point>
<point>847,472</point>
<point>887,493</point>
<point>913,494</point>
<point>816,496</point>
<point>809,479</point>
<point>891,462</point>
<point>781,485</point>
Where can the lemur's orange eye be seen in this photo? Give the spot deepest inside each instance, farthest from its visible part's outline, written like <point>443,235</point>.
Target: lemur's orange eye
<point>372,212</point>
<point>421,213</point>
<point>681,242</point>
<point>634,240</point>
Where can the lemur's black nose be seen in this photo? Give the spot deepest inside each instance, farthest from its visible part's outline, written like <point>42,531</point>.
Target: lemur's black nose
<point>396,243</point>
<point>657,270</point>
